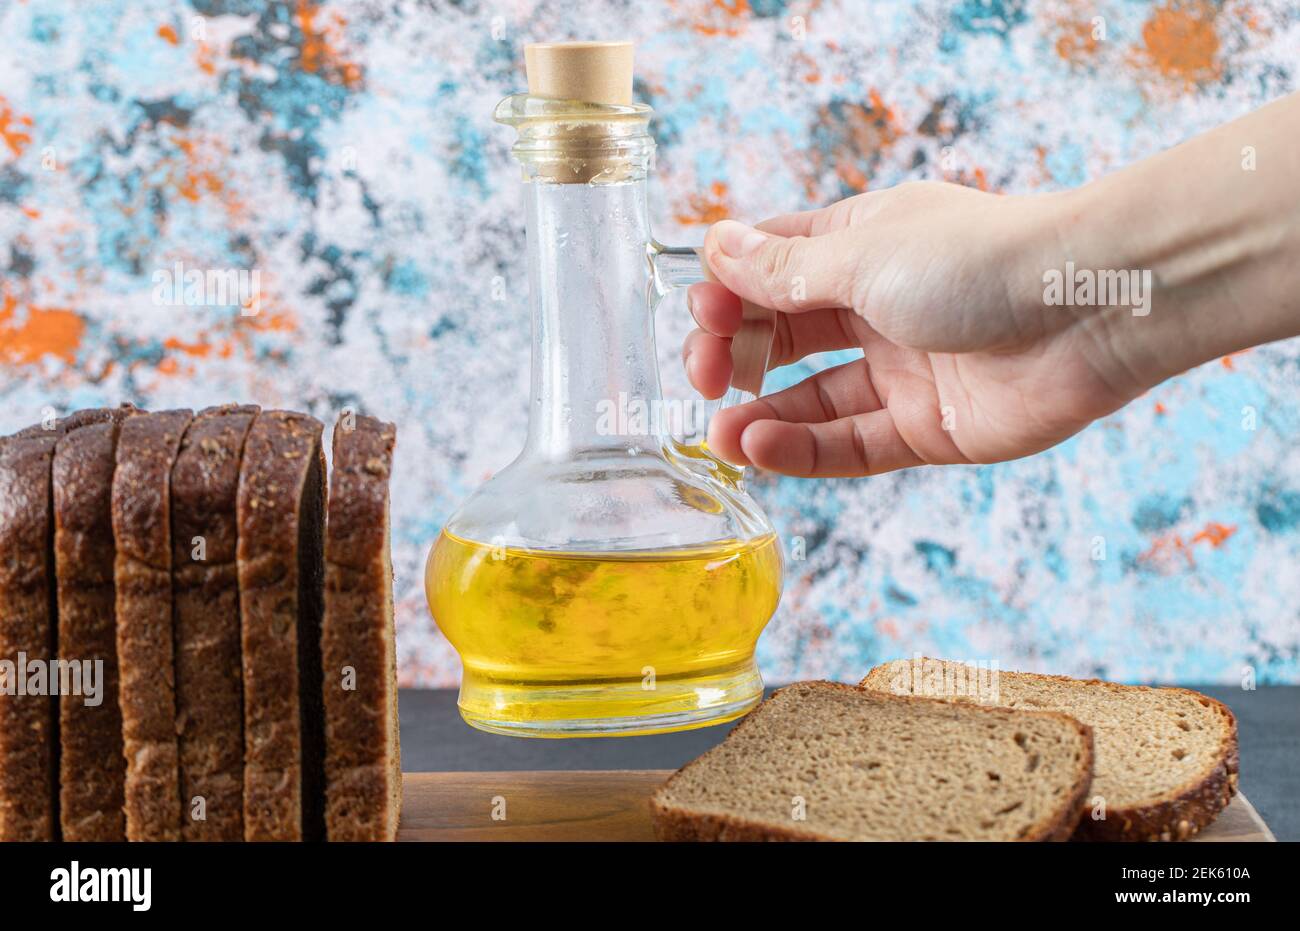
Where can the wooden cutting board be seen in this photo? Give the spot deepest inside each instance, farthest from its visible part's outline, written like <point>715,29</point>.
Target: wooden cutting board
<point>609,805</point>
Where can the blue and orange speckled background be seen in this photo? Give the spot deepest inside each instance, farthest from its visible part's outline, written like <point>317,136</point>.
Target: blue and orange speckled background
<point>347,152</point>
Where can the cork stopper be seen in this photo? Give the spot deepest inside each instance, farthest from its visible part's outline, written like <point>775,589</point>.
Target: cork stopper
<point>594,72</point>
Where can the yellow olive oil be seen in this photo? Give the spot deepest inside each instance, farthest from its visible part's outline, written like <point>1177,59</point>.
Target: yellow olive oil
<point>553,642</point>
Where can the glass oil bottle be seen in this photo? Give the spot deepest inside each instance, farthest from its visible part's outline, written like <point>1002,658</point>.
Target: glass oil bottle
<point>605,582</point>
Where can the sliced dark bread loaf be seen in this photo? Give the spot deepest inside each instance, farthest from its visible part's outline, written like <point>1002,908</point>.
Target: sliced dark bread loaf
<point>1166,758</point>
<point>28,722</point>
<point>822,761</point>
<point>363,766</point>
<point>146,449</point>
<point>281,595</point>
<point>205,586</point>
<point>91,765</point>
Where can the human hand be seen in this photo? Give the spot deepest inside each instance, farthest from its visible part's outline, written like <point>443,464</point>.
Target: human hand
<point>940,286</point>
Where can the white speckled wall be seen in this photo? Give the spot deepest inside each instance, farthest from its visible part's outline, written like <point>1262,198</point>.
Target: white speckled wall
<point>347,153</point>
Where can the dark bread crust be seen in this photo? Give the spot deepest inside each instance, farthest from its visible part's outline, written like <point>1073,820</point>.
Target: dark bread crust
<point>76,420</point>
<point>209,687</point>
<point>146,450</point>
<point>1176,816</point>
<point>91,765</point>
<point>281,593</point>
<point>28,723</point>
<point>37,430</point>
<point>363,754</point>
<point>679,824</point>
<point>1184,812</point>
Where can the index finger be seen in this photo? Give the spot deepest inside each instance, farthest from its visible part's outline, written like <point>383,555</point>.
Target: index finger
<point>815,222</point>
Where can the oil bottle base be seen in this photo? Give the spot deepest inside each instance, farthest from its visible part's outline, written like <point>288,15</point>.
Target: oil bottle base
<point>623,709</point>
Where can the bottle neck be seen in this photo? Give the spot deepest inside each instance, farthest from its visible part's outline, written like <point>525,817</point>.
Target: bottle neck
<point>594,365</point>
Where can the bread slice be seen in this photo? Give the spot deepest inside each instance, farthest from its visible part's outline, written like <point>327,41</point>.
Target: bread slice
<point>146,450</point>
<point>1166,757</point>
<point>823,761</point>
<point>91,765</point>
<point>29,723</point>
<point>205,587</point>
<point>281,516</point>
<point>363,767</point>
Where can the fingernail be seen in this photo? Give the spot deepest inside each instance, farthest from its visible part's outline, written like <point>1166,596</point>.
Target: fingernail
<point>736,239</point>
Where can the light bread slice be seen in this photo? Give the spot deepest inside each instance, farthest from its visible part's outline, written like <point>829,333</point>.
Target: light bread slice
<point>205,583</point>
<point>363,767</point>
<point>142,577</point>
<point>823,761</point>
<point>1166,758</point>
<point>281,515</point>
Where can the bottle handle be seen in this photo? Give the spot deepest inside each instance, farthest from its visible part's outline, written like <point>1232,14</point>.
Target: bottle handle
<point>751,347</point>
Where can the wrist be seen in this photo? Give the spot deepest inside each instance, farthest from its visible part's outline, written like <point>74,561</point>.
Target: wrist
<point>1151,308</point>
<point>1103,250</point>
<point>1219,255</point>
<point>1054,263</point>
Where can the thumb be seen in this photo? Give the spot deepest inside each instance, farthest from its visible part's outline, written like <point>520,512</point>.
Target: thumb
<point>789,274</point>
